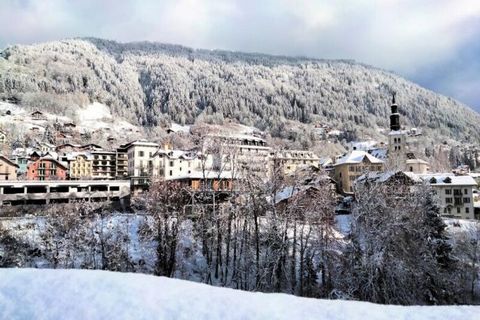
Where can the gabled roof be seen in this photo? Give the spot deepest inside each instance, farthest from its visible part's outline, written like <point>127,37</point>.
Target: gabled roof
<point>356,157</point>
<point>448,179</point>
<point>412,161</point>
<point>10,162</point>
<point>144,143</point>
<point>54,160</point>
<point>381,177</point>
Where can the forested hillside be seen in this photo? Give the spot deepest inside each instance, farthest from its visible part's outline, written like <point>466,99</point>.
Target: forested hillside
<point>151,83</point>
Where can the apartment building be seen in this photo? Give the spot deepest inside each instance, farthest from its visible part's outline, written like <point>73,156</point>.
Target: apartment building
<point>121,171</point>
<point>81,167</point>
<point>455,194</point>
<point>104,165</point>
<point>8,169</point>
<point>244,154</point>
<point>289,161</point>
<point>351,166</point>
<point>140,153</point>
<point>172,164</point>
<point>47,168</point>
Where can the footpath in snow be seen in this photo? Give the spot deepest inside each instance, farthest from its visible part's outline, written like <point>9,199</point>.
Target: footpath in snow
<point>84,294</point>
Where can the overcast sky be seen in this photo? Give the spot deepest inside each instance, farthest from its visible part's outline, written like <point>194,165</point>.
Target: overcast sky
<point>432,42</point>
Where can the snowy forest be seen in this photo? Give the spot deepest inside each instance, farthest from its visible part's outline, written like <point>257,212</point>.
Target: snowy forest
<point>393,249</point>
<point>151,84</point>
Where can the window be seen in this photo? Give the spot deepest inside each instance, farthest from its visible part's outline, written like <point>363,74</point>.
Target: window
<point>458,210</point>
<point>448,200</point>
<point>465,191</point>
<point>171,163</point>
<point>171,173</point>
<point>411,168</point>
<point>448,191</point>
<point>467,210</point>
<point>141,153</point>
<point>466,200</point>
<point>351,168</point>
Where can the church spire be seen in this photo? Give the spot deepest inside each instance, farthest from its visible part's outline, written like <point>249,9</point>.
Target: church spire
<point>394,117</point>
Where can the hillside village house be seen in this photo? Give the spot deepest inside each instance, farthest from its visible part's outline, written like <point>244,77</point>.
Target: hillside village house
<point>455,194</point>
<point>8,169</point>
<point>3,137</point>
<point>37,115</point>
<point>47,169</point>
<point>289,161</point>
<point>348,168</point>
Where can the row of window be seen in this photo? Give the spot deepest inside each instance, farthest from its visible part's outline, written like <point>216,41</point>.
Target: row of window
<point>459,210</point>
<point>456,192</point>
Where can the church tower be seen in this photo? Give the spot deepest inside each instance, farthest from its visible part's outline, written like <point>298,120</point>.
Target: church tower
<point>397,140</point>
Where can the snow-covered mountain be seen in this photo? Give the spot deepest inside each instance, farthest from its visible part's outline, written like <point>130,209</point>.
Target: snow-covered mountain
<point>150,83</point>
<point>86,294</point>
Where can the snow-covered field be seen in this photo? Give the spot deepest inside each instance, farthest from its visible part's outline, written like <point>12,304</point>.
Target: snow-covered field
<point>82,294</point>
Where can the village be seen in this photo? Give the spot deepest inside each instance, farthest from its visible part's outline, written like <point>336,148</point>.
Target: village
<point>68,172</point>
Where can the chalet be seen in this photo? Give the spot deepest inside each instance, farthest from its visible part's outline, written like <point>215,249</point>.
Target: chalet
<point>35,129</point>
<point>69,126</point>
<point>46,147</point>
<point>90,147</point>
<point>8,169</point>
<point>47,168</point>
<point>37,115</point>
<point>67,148</point>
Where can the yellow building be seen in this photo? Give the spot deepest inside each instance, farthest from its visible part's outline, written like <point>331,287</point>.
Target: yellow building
<point>353,165</point>
<point>81,167</point>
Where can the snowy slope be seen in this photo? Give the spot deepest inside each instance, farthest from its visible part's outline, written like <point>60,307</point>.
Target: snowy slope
<point>81,294</point>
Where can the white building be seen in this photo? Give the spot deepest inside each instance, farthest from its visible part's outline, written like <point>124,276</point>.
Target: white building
<point>455,193</point>
<point>140,157</point>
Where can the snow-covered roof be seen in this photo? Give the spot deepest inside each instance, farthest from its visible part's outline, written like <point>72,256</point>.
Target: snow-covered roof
<point>176,154</point>
<point>379,153</point>
<point>71,156</point>
<point>208,174</point>
<point>397,133</point>
<point>141,143</point>
<point>413,161</point>
<point>357,156</point>
<point>381,177</point>
<point>324,162</point>
<point>363,145</point>
<point>440,179</point>
<point>175,127</point>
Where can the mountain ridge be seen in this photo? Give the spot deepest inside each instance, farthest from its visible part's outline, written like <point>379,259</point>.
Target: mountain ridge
<point>154,83</point>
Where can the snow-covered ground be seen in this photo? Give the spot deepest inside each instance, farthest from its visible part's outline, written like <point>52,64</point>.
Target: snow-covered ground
<point>85,294</point>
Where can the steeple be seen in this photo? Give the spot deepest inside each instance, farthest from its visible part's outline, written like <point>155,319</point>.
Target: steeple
<point>394,117</point>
